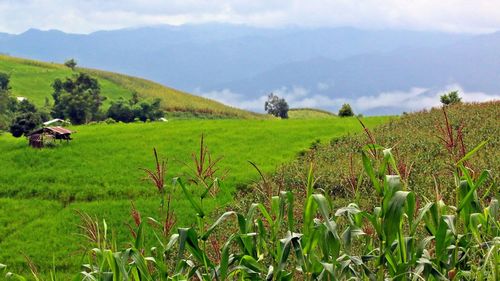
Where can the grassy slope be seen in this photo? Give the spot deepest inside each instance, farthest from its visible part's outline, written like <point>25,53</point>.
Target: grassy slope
<point>309,113</point>
<point>33,79</point>
<point>98,172</point>
<point>417,147</point>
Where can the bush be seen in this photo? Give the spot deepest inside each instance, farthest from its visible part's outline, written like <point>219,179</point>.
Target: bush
<point>346,111</point>
<point>110,121</point>
<point>135,109</point>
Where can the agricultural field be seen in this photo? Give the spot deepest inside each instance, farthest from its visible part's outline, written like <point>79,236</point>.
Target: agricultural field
<point>99,173</point>
<point>229,199</point>
<point>426,145</point>
<point>309,113</point>
<point>33,79</point>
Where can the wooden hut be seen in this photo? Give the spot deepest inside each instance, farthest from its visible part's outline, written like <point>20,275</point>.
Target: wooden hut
<point>37,137</point>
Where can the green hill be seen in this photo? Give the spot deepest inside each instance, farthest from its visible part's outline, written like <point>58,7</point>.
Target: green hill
<point>309,113</point>
<point>33,79</point>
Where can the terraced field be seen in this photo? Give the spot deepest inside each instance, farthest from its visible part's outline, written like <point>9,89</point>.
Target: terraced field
<point>98,172</point>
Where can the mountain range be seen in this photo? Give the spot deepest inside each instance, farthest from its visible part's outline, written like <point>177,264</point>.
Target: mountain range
<point>377,71</point>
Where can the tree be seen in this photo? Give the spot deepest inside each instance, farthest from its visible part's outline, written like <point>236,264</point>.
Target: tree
<point>77,99</point>
<point>128,111</point>
<point>4,81</point>
<point>276,106</point>
<point>121,111</point>
<point>25,123</point>
<point>134,99</point>
<point>7,103</point>
<point>145,110</point>
<point>26,118</point>
<point>25,106</point>
<point>71,63</point>
<point>451,98</point>
<point>346,110</point>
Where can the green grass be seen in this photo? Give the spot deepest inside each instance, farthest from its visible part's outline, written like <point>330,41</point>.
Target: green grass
<point>99,172</point>
<point>33,80</point>
<point>309,113</point>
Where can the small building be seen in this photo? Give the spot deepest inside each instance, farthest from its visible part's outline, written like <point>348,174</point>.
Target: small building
<point>39,137</point>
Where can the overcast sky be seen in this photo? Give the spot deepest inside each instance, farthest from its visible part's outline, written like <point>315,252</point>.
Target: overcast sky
<point>84,16</point>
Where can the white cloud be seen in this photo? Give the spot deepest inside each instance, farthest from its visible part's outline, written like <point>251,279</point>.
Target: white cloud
<point>322,86</point>
<point>417,98</point>
<point>90,15</point>
<point>396,101</point>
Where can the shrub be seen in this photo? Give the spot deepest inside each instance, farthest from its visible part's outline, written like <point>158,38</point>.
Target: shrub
<point>110,121</point>
<point>135,109</point>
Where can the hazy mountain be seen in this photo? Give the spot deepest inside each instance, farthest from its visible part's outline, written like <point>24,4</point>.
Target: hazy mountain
<point>472,63</point>
<point>244,63</point>
<point>194,56</point>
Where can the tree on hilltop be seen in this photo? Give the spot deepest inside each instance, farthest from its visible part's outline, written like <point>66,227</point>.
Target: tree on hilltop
<point>71,63</point>
<point>346,110</point>
<point>276,106</point>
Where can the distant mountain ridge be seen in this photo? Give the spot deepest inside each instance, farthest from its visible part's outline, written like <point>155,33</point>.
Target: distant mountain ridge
<point>249,62</point>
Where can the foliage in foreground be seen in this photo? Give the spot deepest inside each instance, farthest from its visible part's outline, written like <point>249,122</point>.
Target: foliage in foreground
<point>404,237</point>
<point>426,145</point>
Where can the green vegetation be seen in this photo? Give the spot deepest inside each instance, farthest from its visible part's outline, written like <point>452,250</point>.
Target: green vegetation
<point>6,102</point>
<point>135,109</point>
<point>404,237</point>
<point>416,198</point>
<point>71,63</point>
<point>426,144</point>
<point>33,80</point>
<point>78,99</point>
<point>98,172</point>
<point>346,110</point>
<point>309,113</point>
<point>451,98</point>
<point>276,106</point>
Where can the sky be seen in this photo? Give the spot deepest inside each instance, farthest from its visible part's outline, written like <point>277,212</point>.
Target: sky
<point>85,16</point>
